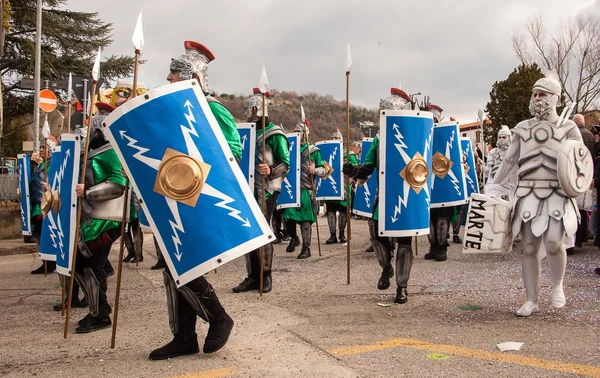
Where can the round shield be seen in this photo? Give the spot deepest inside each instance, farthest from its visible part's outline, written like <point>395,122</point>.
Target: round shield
<point>575,168</point>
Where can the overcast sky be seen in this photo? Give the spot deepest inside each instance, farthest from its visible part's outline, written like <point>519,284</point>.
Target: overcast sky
<point>450,50</point>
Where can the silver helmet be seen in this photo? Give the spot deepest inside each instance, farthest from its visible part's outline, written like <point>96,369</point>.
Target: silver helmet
<point>399,100</point>
<point>194,61</point>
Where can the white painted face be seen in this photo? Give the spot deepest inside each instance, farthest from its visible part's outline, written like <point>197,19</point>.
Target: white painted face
<point>503,141</point>
<point>542,104</point>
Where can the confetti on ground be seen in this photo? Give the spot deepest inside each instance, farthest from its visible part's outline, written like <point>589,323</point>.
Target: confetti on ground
<point>438,356</point>
<point>384,304</point>
<point>510,345</point>
<point>470,308</point>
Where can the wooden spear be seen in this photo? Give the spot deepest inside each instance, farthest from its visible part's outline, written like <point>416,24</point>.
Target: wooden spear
<point>138,42</point>
<point>95,76</point>
<point>348,217</point>
<point>263,86</point>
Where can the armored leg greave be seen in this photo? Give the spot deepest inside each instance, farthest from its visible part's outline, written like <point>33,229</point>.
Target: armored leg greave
<point>306,229</point>
<point>441,233</point>
<point>404,261</point>
<point>91,288</point>
<point>381,245</point>
<point>343,221</point>
<point>331,220</point>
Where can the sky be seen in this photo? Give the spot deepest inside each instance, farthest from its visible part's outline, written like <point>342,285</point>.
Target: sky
<point>450,50</point>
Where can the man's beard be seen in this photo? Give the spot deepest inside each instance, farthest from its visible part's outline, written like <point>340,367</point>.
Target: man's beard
<point>541,109</point>
<point>503,144</point>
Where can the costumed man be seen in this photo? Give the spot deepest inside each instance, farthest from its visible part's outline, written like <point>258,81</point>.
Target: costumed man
<point>384,246</point>
<point>542,210</point>
<point>102,197</point>
<point>334,207</point>
<point>273,166</point>
<point>36,190</point>
<point>441,217</point>
<point>496,155</point>
<point>197,298</point>
<point>120,94</point>
<point>305,215</point>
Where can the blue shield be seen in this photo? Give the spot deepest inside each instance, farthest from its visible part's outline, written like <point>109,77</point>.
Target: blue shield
<point>290,189</point>
<point>404,165</point>
<point>59,226</point>
<point>205,217</point>
<point>332,186</point>
<point>247,132</point>
<point>144,220</point>
<point>24,161</point>
<point>364,197</point>
<point>469,166</point>
<point>448,177</point>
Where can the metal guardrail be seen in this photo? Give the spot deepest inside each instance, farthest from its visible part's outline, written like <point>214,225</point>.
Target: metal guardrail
<point>8,187</point>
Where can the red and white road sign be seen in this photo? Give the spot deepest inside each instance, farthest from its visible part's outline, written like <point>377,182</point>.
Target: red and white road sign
<point>47,100</point>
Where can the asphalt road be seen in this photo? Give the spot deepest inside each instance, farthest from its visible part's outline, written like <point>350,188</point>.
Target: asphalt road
<point>315,325</point>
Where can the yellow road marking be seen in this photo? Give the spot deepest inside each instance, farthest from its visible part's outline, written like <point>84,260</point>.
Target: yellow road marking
<point>559,366</point>
<point>216,373</point>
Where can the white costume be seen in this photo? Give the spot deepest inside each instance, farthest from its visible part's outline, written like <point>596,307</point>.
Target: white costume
<point>496,155</point>
<point>542,211</point>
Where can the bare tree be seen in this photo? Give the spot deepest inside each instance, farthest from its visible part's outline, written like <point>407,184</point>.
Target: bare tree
<point>573,51</point>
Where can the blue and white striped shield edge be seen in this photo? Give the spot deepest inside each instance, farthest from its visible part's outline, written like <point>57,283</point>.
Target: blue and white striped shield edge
<point>364,196</point>
<point>402,210</point>
<point>332,188</point>
<point>24,161</point>
<point>247,132</point>
<point>451,190</point>
<point>290,188</point>
<point>226,222</point>
<point>471,177</point>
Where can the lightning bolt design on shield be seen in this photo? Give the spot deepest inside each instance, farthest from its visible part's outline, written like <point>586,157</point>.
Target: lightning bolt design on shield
<point>453,178</point>
<point>402,199</point>
<point>331,178</point>
<point>367,195</point>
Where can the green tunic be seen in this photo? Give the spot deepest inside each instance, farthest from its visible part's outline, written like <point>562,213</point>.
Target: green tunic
<point>371,161</point>
<point>279,145</point>
<point>306,212</point>
<point>228,127</point>
<point>106,167</point>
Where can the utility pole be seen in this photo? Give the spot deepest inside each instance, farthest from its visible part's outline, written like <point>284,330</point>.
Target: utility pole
<point>37,78</point>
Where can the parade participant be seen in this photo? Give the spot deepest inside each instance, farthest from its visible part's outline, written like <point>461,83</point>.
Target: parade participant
<point>278,225</point>
<point>543,212</point>
<point>120,94</point>
<point>197,297</point>
<point>384,246</point>
<point>102,198</point>
<point>305,215</point>
<point>36,190</point>
<point>440,217</point>
<point>273,166</point>
<point>496,155</point>
<point>334,207</point>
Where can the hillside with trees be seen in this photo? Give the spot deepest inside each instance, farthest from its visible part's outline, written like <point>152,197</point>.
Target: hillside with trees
<point>324,113</point>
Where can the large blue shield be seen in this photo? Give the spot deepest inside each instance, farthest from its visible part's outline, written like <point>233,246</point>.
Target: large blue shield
<point>290,189</point>
<point>247,132</point>
<point>144,224</point>
<point>469,166</point>
<point>331,187</point>
<point>59,226</point>
<point>448,177</point>
<point>198,203</point>
<point>24,162</point>
<point>364,198</point>
<point>404,165</point>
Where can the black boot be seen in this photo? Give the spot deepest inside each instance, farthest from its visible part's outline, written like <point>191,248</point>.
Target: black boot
<point>441,255</point>
<point>386,275</point>
<point>160,264</point>
<point>342,237</point>
<point>431,254</point>
<point>456,239</point>
<point>401,295</point>
<point>93,323</point>
<point>304,254</point>
<point>370,248</point>
<point>75,303</point>
<point>50,268</point>
<point>175,349</point>
<point>294,242</point>
<point>140,258</point>
<point>130,256</point>
<point>267,283</point>
<point>332,239</point>
<point>248,284</point>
